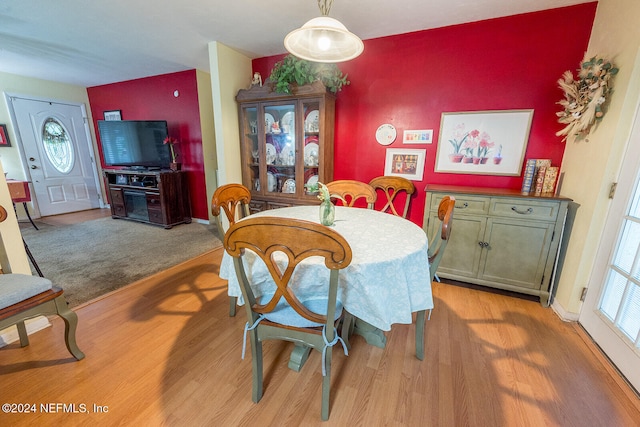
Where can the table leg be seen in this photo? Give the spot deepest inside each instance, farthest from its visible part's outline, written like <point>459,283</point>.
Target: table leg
<point>299,355</point>
<point>370,333</point>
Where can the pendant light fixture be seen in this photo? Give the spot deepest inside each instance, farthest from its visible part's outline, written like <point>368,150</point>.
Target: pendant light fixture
<point>323,39</point>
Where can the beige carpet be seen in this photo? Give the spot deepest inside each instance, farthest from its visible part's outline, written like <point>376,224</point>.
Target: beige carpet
<point>94,257</point>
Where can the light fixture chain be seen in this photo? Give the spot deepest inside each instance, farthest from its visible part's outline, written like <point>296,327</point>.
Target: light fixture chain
<point>325,6</point>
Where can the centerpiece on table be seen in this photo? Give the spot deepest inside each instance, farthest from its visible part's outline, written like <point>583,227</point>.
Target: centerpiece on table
<point>327,209</point>
<point>174,165</point>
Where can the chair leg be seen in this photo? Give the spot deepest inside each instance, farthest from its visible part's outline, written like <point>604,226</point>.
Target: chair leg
<point>326,386</point>
<point>420,321</point>
<point>233,303</point>
<point>256,354</point>
<point>22,333</point>
<point>70,324</point>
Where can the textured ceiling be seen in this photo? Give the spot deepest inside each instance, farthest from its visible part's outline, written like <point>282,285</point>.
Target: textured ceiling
<point>95,42</point>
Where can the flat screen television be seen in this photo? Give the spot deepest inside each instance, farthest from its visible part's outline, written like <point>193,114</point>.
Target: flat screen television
<point>134,143</point>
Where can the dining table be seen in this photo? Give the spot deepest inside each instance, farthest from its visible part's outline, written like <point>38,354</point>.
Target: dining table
<point>387,280</point>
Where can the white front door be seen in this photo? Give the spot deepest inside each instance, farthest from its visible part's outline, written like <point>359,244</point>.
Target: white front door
<point>58,154</point>
<point>611,312</point>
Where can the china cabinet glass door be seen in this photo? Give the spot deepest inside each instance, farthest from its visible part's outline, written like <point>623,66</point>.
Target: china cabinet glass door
<point>311,150</point>
<point>280,148</point>
<point>250,144</point>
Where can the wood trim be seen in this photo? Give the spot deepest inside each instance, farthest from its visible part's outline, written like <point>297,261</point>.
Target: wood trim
<point>484,191</point>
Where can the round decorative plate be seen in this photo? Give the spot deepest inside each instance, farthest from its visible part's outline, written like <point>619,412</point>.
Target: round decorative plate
<point>271,153</point>
<point>289,186</point>
<point>385,134</point>
<point>311,154</point>
<point>289,123</point>
<point>288,155</point>
<point>268,122</point>
<point>311,121</point>
<point>272,182</point>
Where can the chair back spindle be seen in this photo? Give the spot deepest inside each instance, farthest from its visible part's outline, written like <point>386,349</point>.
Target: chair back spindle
<point>352,191</point>
<point>392,187</point>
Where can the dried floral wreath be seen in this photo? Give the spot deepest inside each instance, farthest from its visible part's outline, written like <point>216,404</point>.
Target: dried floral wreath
<point>585,97</point>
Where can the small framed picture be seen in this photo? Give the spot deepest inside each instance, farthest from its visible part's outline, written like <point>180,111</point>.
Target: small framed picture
<point>4,137</point>
<point>405,163</point>
<point>424,136</point>
<point>113,115</point>
<point>121,179</point>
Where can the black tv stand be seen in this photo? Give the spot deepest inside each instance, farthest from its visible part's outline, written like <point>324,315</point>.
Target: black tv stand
<point>153,197</point>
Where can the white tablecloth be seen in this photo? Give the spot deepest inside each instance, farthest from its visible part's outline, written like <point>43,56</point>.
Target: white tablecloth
<point>388,277</point>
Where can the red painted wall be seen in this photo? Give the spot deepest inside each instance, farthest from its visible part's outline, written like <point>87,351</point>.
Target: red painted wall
<point>152,98</point>
<point>409,80</point>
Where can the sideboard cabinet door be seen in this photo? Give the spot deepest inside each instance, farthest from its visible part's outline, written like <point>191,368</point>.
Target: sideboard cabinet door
<point>500,238</point>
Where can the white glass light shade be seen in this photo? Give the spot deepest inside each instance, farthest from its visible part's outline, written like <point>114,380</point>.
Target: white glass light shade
<point>323,39</point>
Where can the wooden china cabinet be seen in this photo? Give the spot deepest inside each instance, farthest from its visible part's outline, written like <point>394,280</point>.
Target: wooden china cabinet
<point>286,142</point>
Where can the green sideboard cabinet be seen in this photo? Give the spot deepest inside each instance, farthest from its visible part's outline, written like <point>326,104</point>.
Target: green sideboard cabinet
<point>501,238</point>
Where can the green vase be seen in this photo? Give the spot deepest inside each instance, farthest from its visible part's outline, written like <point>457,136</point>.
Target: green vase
<point>327,213</point>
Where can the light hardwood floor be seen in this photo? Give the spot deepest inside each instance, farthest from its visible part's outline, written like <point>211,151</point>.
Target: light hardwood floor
<point>164,351</point>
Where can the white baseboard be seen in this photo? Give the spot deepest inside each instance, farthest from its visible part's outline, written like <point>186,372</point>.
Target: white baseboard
<point>564,314</point>
<point>9,335</point>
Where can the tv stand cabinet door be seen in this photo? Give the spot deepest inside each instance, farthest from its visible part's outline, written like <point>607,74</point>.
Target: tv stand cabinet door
<point>117,202</point>
<point>154,207</point>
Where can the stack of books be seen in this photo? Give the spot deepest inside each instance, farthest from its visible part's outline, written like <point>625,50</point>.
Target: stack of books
<point>540,177</point>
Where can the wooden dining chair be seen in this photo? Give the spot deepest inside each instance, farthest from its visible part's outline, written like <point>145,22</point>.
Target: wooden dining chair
<point>234,200</point>
<point>392,187</point>
<point>283,315</point>
<point>351,191</point>
<point>23,297</point>
<point>437,245</point>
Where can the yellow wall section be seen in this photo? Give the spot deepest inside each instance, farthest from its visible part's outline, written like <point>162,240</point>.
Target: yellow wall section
<point>230,72</point>
<point>590,167</point>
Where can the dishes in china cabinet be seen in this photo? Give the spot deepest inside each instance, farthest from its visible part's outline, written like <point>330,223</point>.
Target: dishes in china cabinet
<point>288,155</point>
<point>289,186</point>
<point>272,182</point>
<point>270,149</point>
<point>313,179</point>
<point>385,134</point>
<point>268,122</point>
<point>311,153</point>
<point>308,173</point>
<point>309,139</point>
<point>289,123</point>
<point>312,121</point>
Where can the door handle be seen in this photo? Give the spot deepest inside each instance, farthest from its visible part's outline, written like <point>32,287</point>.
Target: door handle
<point>34,167</point>
<point>31,159</point>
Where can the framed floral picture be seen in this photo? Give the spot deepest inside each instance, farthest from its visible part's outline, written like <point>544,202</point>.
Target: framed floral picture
<point>483,142</point>
<point>407,163</point>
